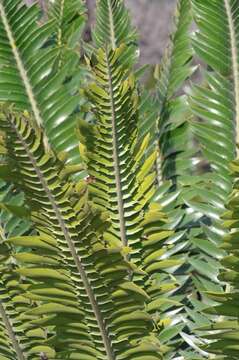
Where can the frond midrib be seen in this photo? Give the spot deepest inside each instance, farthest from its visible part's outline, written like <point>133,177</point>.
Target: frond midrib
<point>235,60</point>
<point>11,333</point>
<point>112,28</point>
<point>69,241</point>
<point>120,200</point>
<point>21,67</point>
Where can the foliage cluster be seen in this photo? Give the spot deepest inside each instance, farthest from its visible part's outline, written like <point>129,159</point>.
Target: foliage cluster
<point>119,199</point>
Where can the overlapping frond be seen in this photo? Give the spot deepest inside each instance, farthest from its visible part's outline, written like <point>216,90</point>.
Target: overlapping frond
<point>189,198</point>
<point>121,177</point>
<point>225,331</point>
<point>14,217</point>
<point>203,197</point>
<point>108,312</point>
<point>29,76</point>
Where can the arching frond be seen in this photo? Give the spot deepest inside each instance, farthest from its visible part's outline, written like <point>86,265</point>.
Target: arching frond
<point>174,69</point>
<point>28,76</point>
<point>99,288</point>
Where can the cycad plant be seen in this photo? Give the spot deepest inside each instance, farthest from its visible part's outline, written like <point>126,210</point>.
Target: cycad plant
<point>115,238</point>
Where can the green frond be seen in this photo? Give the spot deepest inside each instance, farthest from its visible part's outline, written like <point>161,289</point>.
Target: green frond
<point>176,65</point>
<point>217,104</point>
<point>217,44</point>
<point>121,177</point>
<point>70,18</point>
<point>29,76</point>
<point>225,336</point>
<point>108,307</point>
<point>19,338</point>
<point>113,28</point>
<point>10,346</point>
<point>193,202</point>
<point>215,129</point>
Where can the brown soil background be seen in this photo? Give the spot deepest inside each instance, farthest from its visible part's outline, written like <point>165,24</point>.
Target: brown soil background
<point>153,19</point>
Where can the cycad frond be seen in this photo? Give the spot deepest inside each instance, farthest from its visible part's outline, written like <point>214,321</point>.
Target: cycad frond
<point>176,66</point>
<point>96,276</point>
<point>69,17</point>
<point>113,28</point>
<point>191,202</point>
<point>175,69</point>
<point>28,76</point>
<point>217,41</point>
<point>20,338</point>
<point>226,328</point>
<point>122,177</point>
<point>218,104</point>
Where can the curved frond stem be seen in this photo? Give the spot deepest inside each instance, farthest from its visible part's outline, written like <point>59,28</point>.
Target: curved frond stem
<point>235,60</point>
<point>21,68</point>
<point>11,333</point>
<point>116,160</point>
<point>70,243</point>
